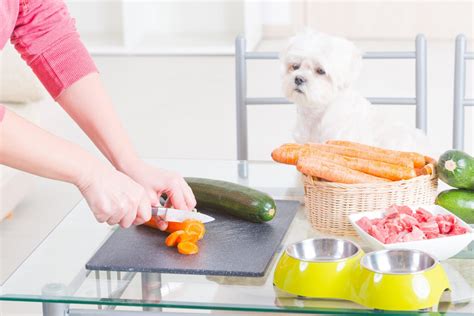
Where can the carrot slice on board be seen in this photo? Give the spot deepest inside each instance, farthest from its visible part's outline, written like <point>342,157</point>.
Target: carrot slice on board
<point>196,228</point>
<point>188,226</point>
<point>188,236</point>
<point>172,239</point>
<point>187,248</point>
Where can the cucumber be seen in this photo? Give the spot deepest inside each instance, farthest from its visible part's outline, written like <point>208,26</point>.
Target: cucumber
<point>459,202</point>
<point>233,199</point>
<point>456,168</point>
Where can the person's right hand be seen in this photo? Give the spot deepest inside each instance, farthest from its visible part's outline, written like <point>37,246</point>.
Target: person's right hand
<point>114,197</point>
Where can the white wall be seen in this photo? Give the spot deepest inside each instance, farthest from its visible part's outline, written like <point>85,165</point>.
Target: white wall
<point>368,20</point>
<point>392,19</point>
<point>277,12</point>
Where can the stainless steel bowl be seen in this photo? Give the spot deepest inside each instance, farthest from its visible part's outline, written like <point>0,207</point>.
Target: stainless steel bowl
<point>398,261</point>
<point>323,250</point>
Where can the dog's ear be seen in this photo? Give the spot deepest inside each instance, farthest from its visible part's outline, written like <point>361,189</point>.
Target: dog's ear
<point>346,63</point>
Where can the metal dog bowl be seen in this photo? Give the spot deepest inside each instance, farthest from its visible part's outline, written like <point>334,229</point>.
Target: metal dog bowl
<point>399,279</point>
<point>399,261</point>
<point>323,250</point>
<point>318,267</point>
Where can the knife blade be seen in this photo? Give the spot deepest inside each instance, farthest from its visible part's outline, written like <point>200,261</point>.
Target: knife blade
<point>174,215</point>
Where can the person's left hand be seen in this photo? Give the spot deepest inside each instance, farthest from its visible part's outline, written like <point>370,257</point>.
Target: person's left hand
<point>159,181</point>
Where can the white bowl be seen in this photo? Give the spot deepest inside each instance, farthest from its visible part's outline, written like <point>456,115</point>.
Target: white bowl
<point>441,248</point>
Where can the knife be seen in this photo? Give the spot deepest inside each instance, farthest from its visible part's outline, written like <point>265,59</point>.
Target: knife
<point>174,215</point>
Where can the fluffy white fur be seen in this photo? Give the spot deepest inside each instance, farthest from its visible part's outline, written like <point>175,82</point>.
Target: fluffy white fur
<point>328,107</point>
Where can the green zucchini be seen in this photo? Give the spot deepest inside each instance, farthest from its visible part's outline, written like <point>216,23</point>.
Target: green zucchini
<point>233,199</point>
<point>456,168</point>
<point>459,202</point>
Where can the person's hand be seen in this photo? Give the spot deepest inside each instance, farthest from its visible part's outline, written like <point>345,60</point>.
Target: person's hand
<point>159,181</point>
<point>114,197</point>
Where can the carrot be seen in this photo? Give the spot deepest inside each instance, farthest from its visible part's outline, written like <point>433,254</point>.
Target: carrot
<point>287,153</point>
<point>172,239</point>
<point>188,226</point>
<point>333,172</point>
<point>364,154</point>
<point>187,248</point>
<point>428,168</point>
<point>373,167</point>
<point>152,223</point>
<point>196,227</point>
<point>191,236</point>
<point>418,159</point>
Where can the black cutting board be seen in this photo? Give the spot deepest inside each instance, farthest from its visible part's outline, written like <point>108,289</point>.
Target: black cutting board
<point>231,247</point>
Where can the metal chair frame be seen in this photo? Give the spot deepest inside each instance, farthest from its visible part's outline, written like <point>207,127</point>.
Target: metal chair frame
<point>242,101</point>
<point>460,101</point>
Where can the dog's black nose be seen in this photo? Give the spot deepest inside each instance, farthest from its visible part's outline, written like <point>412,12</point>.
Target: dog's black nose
<point>299,80</point>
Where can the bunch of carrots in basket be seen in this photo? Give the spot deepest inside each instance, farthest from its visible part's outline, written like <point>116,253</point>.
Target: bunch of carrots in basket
<point>348,162</point>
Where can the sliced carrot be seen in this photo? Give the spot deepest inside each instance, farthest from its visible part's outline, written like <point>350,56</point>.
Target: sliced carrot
<point>172,239</point>
<point>188,226</point>
<point>187,248</point>
<point>174,226</point>
<point>364,154</point>
<point>197,228</point>
<point>418,159</point>
<point>152,223</point>
<point>287,153</point>
<point>373,167</point>
<point>333,172</point>
<point>188,236</point>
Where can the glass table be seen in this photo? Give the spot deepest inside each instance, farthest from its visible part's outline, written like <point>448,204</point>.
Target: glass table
<point>55,275</point>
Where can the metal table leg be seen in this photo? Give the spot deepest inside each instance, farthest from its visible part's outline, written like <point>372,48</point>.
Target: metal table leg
<point>55,309</point>
<point>151,289</point>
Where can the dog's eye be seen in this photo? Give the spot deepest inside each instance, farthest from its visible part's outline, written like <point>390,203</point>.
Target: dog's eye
<point>295,67</point>
<point>320,71</point>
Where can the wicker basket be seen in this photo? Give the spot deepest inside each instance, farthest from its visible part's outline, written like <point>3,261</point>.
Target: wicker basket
<point>328,204</point>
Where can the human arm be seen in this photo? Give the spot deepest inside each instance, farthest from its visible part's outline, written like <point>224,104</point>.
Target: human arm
<point>113,197</point>
<point>89,105</point>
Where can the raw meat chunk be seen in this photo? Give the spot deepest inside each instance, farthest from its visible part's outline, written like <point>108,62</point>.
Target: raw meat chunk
<point>430,227</point>
<point>391,212</point>
<point>458,230</point>
<point>378,233</point>
<point>408,221</point>
<point>423,215</point>
<point>401,224</point>
<point>364,223</point>
<point>416,234</point>
<point>405,210</point>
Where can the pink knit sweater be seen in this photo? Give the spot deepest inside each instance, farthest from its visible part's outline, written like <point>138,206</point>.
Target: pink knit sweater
<point>44,34</point>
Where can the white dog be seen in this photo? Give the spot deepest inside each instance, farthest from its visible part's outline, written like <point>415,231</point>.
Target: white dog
<point>319,71</point>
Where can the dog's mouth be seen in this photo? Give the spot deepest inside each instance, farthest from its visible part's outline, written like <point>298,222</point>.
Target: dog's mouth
<point>297,89</point>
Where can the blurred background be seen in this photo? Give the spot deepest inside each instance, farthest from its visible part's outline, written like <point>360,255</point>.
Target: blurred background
<point>170,69</point>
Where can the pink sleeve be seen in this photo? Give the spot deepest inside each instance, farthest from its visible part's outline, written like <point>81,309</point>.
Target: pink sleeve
<point>2,112</point>
<point>46,37</point>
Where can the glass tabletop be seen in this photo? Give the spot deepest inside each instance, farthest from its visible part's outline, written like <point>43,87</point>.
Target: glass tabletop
<point>55,272</point>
